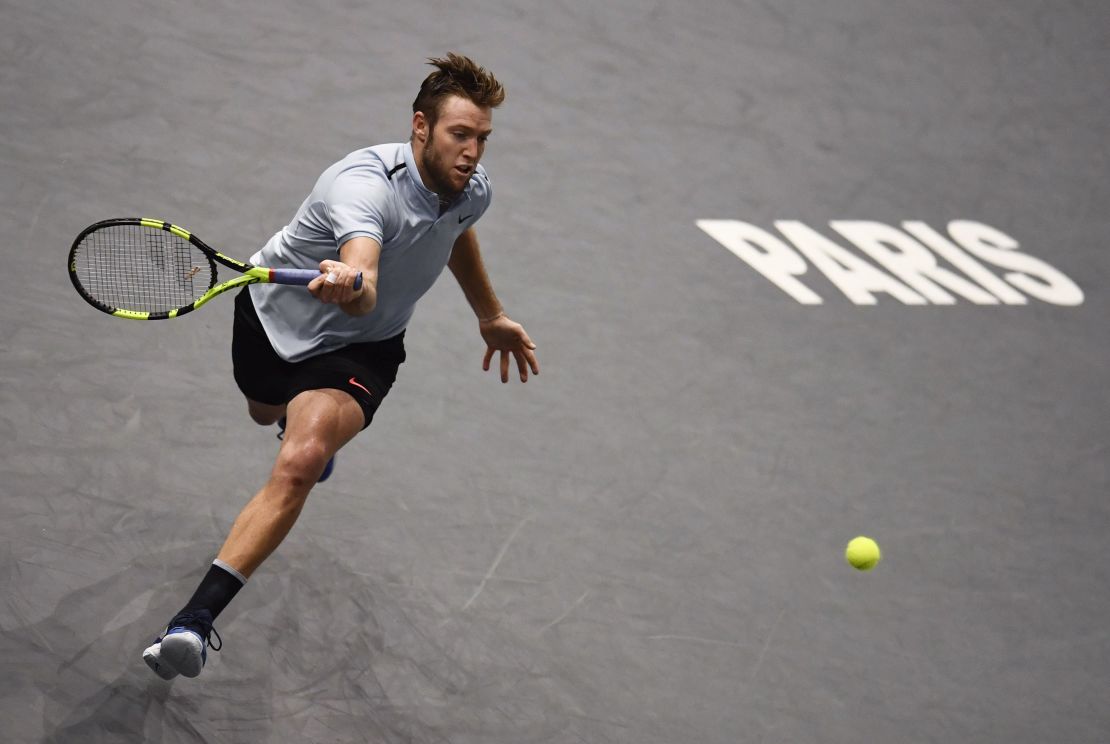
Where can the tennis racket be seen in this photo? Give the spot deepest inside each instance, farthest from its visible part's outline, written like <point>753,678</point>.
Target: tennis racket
<point>145,269</point>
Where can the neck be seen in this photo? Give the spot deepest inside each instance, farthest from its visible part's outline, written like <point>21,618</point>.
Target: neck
<point>418,156</point>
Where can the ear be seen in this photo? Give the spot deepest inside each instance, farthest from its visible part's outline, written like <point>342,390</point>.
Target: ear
<point>420,127</point>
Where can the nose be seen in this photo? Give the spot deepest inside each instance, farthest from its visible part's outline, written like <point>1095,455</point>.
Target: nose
<point>471,149</point>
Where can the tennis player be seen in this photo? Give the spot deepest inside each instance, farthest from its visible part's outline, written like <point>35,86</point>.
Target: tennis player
<point>319,363</point>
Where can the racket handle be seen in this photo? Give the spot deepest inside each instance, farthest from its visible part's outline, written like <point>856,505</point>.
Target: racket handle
<point>302,277</point>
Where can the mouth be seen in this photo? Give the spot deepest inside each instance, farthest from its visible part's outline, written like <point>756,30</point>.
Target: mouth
<point>464,170</point>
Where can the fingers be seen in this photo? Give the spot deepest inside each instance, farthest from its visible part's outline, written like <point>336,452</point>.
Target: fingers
<point>530,357</point>
<point>527,341</point>
<point>525,361</point>
<point>510,339</point>
<point>526,356</point>
<point>521,365</point>
<point>336,283</point>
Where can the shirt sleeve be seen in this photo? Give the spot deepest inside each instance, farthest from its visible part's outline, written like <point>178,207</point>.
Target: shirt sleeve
<point>357,203</point>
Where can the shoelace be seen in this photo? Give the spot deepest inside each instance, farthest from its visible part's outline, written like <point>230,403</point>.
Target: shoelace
<point>189,619</point>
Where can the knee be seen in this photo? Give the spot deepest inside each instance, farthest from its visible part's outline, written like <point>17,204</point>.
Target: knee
<point>300,464</point>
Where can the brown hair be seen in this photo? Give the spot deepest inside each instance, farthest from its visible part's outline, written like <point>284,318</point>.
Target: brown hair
<point>460,76</point>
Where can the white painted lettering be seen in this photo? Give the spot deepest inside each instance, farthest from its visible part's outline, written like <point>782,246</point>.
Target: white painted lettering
<point>948,250</point>
<point>765,253</point>
<point>910,261</point>
<point>1030,275</point>
<point>856,278</point>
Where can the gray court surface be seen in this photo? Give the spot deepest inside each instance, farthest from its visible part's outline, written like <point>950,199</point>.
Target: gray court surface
<point>645,543</point>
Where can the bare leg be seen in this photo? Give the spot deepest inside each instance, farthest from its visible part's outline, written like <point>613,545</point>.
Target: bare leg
<point>318,423</point>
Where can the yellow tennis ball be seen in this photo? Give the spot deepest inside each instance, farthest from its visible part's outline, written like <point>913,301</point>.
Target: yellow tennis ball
<point>862,553</point>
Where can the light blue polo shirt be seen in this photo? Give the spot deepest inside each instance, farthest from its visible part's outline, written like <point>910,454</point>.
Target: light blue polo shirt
<point>375,192</point>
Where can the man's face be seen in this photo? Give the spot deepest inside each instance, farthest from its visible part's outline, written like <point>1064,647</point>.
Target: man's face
<point>454,146</point>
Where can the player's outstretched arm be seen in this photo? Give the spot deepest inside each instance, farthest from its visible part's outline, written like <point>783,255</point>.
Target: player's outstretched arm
<point>501,334</point>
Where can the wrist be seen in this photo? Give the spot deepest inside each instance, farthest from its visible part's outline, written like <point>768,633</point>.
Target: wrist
<point>499,314</point>
<point>362,304</point>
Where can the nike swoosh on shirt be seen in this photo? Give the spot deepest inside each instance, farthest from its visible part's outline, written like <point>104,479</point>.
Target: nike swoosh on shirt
<point>464,219</point>
<point>359,385</point>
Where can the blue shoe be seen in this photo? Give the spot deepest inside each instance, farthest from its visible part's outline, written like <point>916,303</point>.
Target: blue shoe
<point>184,646</point>
<point>330,466</point>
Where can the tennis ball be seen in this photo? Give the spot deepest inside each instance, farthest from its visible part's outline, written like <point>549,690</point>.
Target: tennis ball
<point>862,553</point>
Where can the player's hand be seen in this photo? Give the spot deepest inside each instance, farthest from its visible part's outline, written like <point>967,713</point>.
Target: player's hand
<point>503,335</point>
<point>336,283</point>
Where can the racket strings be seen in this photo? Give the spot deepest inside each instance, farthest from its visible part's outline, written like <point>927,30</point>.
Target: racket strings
<point>133,267</point>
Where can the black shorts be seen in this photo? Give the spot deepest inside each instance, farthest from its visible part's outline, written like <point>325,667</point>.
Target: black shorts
<point>366,371</point>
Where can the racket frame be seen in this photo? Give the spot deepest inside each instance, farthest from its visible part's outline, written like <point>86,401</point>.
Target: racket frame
<point>249,273</point>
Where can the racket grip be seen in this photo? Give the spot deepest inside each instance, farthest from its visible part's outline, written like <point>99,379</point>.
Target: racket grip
<point>302,277</point>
